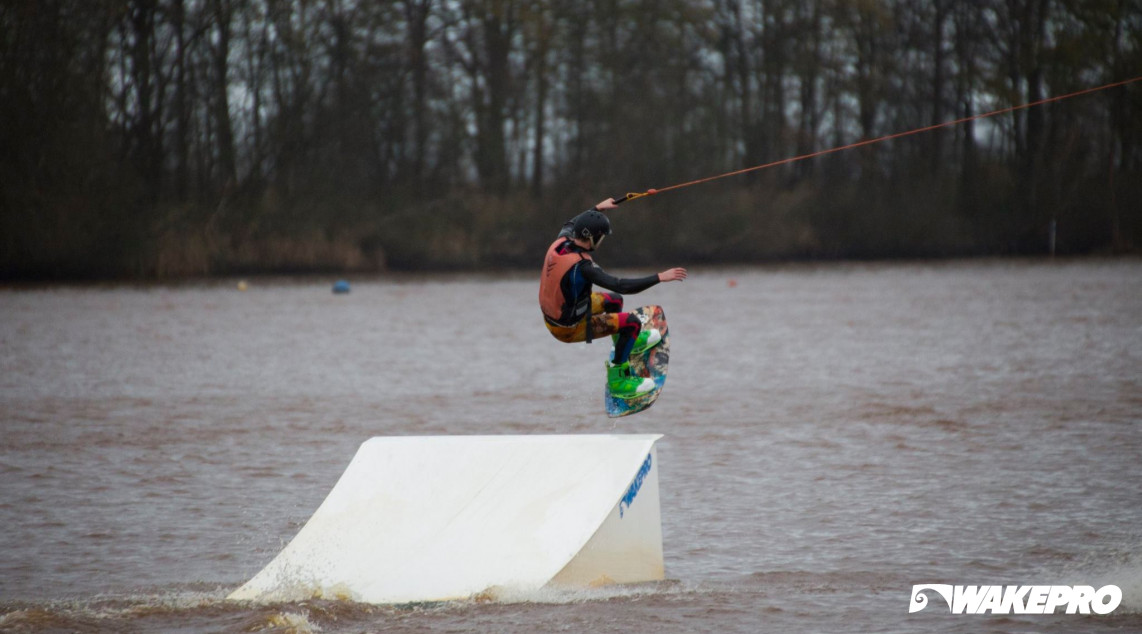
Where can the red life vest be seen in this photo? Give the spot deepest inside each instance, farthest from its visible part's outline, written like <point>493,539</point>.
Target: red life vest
<point>551,299</point>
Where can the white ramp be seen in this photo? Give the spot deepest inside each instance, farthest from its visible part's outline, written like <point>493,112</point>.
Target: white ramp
<point>450,517</point>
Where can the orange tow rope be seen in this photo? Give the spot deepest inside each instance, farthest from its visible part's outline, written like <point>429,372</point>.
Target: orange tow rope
<point>652,191</point>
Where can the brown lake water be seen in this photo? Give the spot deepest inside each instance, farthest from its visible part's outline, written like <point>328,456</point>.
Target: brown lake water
<point>834,434</point>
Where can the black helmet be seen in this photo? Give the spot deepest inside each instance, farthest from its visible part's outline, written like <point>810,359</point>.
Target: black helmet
<point>591,226</point>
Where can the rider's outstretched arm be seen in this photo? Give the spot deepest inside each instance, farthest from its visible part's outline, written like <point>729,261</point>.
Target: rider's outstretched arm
<point>625,285</point>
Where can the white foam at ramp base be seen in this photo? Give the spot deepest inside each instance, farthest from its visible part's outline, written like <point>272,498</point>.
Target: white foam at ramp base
<point>449,517</point>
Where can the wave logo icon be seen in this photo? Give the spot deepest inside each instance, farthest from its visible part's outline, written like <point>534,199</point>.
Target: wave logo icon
<point>920,600</point>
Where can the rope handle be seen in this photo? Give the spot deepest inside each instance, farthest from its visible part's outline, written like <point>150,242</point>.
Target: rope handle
<point>633,195</point>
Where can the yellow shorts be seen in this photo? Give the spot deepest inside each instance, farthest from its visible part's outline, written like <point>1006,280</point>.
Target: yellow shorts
<point>602,324</point>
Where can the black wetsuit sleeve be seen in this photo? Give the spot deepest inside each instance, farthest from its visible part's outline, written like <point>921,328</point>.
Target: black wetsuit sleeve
<point>627,286</point>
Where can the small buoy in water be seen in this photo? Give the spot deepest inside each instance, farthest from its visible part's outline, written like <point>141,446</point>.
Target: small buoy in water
<point>731,282</point>
<point>242,285</point>
<point>341,286</point>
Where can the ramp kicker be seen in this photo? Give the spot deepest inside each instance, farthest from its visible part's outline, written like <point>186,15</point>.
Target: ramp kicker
<point>452,517</point>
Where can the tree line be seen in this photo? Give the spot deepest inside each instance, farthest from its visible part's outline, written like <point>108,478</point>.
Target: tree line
<point>161,138</point>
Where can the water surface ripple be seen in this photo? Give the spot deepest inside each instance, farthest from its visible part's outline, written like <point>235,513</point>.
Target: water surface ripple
<point>834,434</point>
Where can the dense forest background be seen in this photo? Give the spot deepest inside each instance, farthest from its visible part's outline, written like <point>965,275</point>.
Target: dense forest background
<point>167,138</point>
